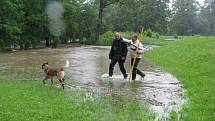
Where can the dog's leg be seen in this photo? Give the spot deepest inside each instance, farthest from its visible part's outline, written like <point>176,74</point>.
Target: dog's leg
<point>45,79</point>
<point>62,83</point>
<point>51,81</point>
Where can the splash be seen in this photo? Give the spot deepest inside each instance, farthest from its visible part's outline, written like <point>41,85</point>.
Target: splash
<point>55,10</point>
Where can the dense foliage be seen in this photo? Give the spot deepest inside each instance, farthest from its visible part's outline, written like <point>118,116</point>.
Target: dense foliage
<point>26,24</point>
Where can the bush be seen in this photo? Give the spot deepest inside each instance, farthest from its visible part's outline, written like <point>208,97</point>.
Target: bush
<point>156,35</point>
<point>106,39</point>
<point>127,34</point>
<point>148,33</point>
<point>88,41</point>
<point>55,42</point>
<point>175,36</point>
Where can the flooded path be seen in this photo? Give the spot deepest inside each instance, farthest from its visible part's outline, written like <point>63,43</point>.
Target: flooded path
<point>160,89</point>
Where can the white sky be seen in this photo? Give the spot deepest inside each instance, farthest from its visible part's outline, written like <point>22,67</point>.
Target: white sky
<point>201,2</point>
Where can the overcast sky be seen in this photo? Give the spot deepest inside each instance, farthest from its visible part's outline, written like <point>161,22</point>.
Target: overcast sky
<point>201,2</point>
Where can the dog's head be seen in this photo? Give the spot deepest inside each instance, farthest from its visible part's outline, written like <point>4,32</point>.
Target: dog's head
<point>45,65</point>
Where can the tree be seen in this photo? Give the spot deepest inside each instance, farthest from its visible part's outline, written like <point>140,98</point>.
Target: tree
<point>126,16</point>
<point>102,5</point>
<point>136,14</point>
<point>35,23</point>
<point>184,17</point>
<point>22,23</point>
<point>11,24</point>
<point>208,13</point>
<point>88,24</point>
<point>156,15</point>
<point>79,18</point>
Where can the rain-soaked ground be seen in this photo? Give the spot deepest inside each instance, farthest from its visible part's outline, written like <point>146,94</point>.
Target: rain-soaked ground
<point>87,65</point>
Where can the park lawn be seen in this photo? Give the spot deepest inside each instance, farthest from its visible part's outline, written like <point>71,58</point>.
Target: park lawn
<point>150,40</point>
<point>32,101</point>
<point>107,38</point>
<point>192,61</point>
<point>156,41</point>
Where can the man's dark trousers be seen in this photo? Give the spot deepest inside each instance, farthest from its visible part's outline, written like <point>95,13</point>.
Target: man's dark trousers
<point>121,66</point>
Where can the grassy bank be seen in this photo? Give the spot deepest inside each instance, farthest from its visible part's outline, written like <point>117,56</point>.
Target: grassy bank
<point>32,101</point>
<point>107,38</point>
<point>156,41</point>
<point>192,61</point>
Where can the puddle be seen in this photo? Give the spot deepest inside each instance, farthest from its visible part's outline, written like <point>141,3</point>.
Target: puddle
<point>87,64</point>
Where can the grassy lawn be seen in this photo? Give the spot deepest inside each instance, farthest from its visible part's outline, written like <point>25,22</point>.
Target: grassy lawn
<point>32,101</point>
<point>107,38</point>
<point>153,41</point>
<point>192,61</point>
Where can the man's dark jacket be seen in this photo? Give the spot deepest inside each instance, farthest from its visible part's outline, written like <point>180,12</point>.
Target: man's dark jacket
<point>118,49</point>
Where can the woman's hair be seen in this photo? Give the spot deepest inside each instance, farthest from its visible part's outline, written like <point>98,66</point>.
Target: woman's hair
<point>135,36</point>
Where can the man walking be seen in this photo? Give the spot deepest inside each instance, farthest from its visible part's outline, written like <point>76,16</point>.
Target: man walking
<point>118,54</point>
<point>136,51</point>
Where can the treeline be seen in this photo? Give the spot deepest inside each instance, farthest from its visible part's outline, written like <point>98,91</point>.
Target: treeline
<point>181,17</point>
<point>26,23</point>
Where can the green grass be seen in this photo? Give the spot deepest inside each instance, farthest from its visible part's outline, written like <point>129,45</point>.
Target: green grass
<point>32,101</point>
<point>192,61</point>
<point>107,38</point>
<point>156,41</point>
<point>149,41</point>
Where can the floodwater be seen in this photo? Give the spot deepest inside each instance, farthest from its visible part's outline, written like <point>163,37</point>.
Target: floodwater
<point>85,71</point>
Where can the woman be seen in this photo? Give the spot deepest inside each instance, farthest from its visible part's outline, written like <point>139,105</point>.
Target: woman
<point>136,52</point>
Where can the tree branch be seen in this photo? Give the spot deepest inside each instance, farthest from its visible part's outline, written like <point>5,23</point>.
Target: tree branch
<point>107,4</point>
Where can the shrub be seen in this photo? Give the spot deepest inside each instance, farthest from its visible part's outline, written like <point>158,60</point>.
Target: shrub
<point>88,41</point>
<point>148,33</point>
<point>106,38</point>
<point>156,35</point>
<point>55,42</point>
<point>127,34</point>
<point>175,36</point>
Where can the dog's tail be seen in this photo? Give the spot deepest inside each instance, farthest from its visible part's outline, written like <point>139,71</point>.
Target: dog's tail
<point>67,64</point>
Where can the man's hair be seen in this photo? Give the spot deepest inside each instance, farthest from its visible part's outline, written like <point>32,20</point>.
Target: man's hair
<point>117,33</point>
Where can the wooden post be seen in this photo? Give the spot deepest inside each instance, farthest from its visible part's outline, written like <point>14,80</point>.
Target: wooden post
<point>132,68</point>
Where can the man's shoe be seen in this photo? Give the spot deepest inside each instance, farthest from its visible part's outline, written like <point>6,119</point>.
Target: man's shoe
<point>142,75</point>
<point>125,76</point>
<point>110,75</point>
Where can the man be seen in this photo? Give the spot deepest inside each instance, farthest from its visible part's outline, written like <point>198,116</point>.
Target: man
<point>136,51</point>
<point>118,54</point>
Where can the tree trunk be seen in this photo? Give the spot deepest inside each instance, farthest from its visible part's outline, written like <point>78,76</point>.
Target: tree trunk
<point>21,46</point>
<point>47,42</point>
<point>47,38</point>
<point>99,21</point>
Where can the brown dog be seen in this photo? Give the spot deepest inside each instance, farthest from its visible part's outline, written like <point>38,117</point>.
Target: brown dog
<point>51,72</point>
